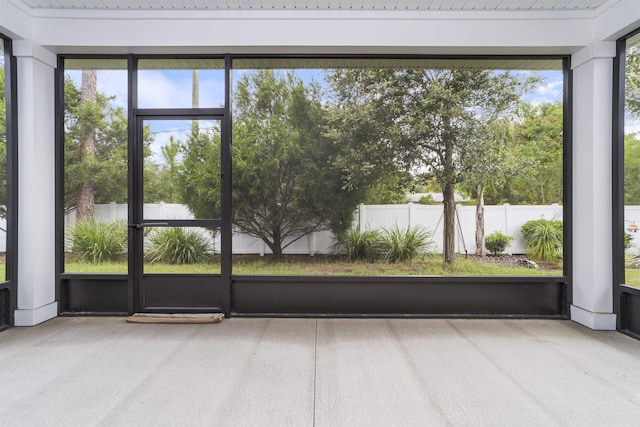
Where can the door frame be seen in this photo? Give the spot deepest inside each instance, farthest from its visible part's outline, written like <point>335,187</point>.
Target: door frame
<point>197,285</point>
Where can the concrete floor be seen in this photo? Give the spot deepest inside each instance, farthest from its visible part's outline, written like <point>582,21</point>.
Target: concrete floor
<point>318,372</point>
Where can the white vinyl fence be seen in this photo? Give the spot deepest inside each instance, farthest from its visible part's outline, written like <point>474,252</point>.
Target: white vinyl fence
<point>504,218</point>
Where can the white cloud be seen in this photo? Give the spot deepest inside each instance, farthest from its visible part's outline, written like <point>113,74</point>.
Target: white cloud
<point>550,91</point>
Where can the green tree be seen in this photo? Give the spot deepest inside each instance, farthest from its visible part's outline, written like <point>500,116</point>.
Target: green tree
<point>285,182</point>
<point>387,192</point>
<point>532,172</point>
<point>170,169</point>
<point>632,81</point>
<point>631,169</point>
<point>200,174</point>
<point>486,163</point>
<point>420,120</point>
<point>94,170</point>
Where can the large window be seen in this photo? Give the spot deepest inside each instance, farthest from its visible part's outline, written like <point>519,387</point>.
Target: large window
<point>356,166</point>
<point>95,165</point>
<point>8,149</point>
<point>397,166</point>
<point>8,184</point>
<point>3,164</point>
<point>632,162</point>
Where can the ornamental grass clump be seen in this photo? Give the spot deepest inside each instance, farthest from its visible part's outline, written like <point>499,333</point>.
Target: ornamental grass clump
<point>543,238</point>
<point>359,245</point>
<point>97,242</point>
<point>406,244</point>
<point>175,245</point>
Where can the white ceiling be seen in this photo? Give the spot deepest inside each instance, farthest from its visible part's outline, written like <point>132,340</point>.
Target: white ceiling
<point>423,5</point>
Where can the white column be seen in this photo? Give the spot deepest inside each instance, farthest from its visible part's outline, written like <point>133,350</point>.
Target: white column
<point>36,171</point>
<point>592,173</point>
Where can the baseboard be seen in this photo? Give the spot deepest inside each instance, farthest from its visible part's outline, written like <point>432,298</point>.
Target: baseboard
<point>34,316</point>
<point>592,320</point>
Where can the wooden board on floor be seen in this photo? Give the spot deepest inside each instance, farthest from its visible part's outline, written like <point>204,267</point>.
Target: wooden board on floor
<point>185,318</point>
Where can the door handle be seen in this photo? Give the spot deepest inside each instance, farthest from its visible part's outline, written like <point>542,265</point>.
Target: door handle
<point>147,224</point>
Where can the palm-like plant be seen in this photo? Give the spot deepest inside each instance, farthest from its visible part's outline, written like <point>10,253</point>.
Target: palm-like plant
<point>175,245</point>
<point>543,238</point>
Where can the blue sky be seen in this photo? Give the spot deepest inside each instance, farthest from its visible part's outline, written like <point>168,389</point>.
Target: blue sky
<point>172,88</point>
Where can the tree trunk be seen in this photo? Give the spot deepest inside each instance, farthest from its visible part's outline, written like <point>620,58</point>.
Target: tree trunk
<point>480,221</point>
<point>86,194</point>
<point>275,245</point>
<point>449,223</point>
<point>195,99</point>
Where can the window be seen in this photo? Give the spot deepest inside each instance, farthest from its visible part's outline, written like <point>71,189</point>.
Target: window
<point>3,163</point>
<point>376,166</point>
<point>632,162</point>
<point>95,165</point>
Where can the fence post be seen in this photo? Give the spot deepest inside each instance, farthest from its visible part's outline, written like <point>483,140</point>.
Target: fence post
<point>507,212</point>
<point>312,244</point>
<point>411,214</point>
<point>361,217</point>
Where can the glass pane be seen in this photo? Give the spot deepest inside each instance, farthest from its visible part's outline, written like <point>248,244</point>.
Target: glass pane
<point>632,163</point>
<point>95,165</point>
<point>180,83</point>
<point>181,250</point>
<point>344,166</point>
<point>3,167</point>
<point>182,169</point>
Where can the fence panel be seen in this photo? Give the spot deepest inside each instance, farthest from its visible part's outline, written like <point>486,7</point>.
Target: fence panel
<point>504,218</point>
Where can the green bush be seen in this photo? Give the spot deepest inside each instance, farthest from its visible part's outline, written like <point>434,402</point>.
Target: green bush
<point>628,238</point>
<point>97,242</point>
<point>543,238</point>
<point>405,244</point>
<point>361,245</point>
<point>497,242</point>
<point>175,245</point>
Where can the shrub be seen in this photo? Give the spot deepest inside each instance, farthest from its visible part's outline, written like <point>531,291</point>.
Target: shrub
<point>543,238</point>
<point>497,242</point>
<point>406,244</point>
<point>628,238</point>
<point>361,245</point>
<point>97,242</point>
<point>175,245</point>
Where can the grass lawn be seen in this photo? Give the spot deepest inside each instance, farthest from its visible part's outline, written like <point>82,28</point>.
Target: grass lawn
<point>326,265</point>
<point>632,277</point>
